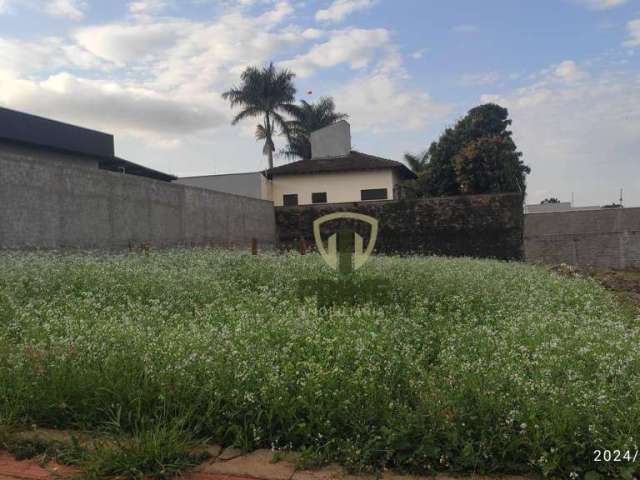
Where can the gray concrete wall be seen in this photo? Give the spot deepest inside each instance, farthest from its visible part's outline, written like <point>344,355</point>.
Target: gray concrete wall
<point>331,141</point>
<point>45,155</point>
<point>246,184</point>
<point>53,205</point>
<point>600,238</point>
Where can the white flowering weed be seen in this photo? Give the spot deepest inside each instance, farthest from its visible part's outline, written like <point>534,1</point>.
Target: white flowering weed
<point>464,364</point>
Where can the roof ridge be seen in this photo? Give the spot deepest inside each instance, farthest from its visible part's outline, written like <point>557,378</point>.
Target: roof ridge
<point>353,161</point>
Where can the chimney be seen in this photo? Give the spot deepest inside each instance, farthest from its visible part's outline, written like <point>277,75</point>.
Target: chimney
<point>331,141</point>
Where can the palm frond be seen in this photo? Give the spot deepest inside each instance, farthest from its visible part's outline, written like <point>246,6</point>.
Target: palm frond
<point>417,163</point>
<point>306,118</point>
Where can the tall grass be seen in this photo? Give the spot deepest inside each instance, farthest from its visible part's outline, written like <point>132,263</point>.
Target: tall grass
<point>460,365</point>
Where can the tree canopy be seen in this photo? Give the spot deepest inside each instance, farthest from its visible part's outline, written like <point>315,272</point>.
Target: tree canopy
<point>268,93</point>
<point>477,155</point>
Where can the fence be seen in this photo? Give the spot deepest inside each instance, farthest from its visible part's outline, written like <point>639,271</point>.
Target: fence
<point>600,238</point>
<point>489,226</point>
<point>55,205</point>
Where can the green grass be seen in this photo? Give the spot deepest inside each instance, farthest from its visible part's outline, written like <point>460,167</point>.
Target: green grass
<point>459,365</point>
<point>67,453</point>
<point>158,450</point>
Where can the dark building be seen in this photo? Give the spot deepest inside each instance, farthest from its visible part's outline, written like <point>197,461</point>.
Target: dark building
<point>49,140</point>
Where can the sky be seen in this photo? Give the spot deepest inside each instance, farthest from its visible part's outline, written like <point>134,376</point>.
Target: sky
<point>151,72</point>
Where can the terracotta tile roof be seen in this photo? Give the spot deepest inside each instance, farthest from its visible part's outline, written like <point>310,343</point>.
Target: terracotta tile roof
<point>353,161</point>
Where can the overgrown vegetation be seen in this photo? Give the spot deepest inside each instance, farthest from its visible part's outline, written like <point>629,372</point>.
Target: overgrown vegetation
<point>465,365</point>
<point>157,448</point>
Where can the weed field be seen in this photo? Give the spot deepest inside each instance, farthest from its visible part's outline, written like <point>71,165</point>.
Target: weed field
<point>416,363</point>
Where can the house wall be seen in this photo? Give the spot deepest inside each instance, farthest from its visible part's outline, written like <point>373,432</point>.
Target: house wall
<point>57,205</point>
<point>340,187</point>
<point>475,225</point>
<point>46,155</point>
<point>607,237</point>
<point>246,184</point>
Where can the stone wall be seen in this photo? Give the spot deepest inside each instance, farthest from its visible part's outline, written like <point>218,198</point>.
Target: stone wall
<point>601,238</point>
<point>489,226</point>
<point>57,204</point>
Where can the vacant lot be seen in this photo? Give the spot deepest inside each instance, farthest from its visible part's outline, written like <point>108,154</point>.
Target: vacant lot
<point>416,363</point>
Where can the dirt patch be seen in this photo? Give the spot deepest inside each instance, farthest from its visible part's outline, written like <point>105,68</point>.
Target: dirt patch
<point>234,465</point>
<point>624,283</point>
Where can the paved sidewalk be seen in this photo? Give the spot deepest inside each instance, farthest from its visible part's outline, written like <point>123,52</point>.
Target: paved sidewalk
<point>224,464</point>
<point>12,469</point>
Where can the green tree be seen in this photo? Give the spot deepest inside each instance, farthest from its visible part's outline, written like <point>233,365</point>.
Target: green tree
<point>456,163</point>
<point>266,93</point>
<point>418,163</point>
<point>308,117</point>
<point>489,165</point>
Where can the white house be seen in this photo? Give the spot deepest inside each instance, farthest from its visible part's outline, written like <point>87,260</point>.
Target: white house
<point>334,174</point>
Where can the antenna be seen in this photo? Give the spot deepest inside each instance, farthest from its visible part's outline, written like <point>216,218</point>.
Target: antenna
<point>621,190</point>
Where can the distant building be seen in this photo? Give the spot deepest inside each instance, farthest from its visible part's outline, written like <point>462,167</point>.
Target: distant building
<point>334,174</point>
<point>250,184</point>
<point>556,207</point>
<point>42,139</point>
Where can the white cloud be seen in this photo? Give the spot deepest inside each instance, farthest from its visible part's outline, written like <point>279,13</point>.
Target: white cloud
<point>418,54</point>
<point>72,9</point>
<point>146,7</point>
<point>340,9</point>
<point>601,4</point>
<point>19,58</point>
<point>634,34</point>
<point>578,136</point>
<point>355,47</point>
<point>113,107</point>
<point>379,103</point>
<point>568,71</point>
<point>123,43</point>
<point>313,33</point>
<point>191,55</point>
<point>151,78</point>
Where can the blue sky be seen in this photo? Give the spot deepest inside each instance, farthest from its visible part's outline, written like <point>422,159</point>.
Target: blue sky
<point>151,72</point>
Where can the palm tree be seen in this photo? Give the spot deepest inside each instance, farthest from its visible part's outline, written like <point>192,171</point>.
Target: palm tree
<point>268,93</point>
<point>308,117</point>
<point>417,163</point>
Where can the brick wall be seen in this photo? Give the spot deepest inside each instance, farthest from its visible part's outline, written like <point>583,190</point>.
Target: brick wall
<point>477,225</point>
<point>601,238</point>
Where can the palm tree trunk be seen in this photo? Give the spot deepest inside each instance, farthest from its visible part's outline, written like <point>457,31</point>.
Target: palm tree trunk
<point>269,140</point>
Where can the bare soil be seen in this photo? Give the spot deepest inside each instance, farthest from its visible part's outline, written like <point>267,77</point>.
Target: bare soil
<point>625,283</point>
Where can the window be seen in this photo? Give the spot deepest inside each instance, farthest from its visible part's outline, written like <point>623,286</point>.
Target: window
<point>319,197</point>
<point>374,194</point>
<point>290,200</point>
